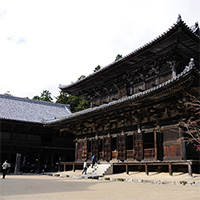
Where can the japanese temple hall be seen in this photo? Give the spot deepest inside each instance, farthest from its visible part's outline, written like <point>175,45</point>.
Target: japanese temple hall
<point>137,106</point>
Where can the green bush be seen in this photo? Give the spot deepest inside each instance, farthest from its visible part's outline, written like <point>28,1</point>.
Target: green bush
<point>57,175</point>
<point>120,179</point>
<point>183,182</point>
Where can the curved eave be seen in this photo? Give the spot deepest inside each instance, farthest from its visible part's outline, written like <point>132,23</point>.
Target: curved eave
<point>150,94</point>
<point>85,81</point>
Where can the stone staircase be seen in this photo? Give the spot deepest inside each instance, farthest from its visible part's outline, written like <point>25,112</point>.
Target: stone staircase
<point>98,170</point>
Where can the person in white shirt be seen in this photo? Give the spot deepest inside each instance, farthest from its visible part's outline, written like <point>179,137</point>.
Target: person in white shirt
<point>85,167</point>
<point>5,167</point>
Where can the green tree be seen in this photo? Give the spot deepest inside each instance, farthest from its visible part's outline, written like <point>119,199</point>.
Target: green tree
<point>81,77</point>
<point>45,96</point>
<point>76,103</point>
<point>97,68</point>
<point>8,93</point>
<point>118,57</point>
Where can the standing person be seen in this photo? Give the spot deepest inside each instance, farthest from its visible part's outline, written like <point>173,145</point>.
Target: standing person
<point>5,167</point>
<point>93,160</point>
<point>84,167</point>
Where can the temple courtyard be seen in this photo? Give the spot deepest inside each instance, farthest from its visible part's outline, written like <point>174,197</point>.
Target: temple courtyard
<point>63,186</point>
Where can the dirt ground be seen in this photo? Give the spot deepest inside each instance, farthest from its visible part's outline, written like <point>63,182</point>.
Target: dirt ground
<point>42,187</point>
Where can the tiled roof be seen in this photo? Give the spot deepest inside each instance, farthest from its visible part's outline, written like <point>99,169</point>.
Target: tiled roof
<point>179,22</point>
<point>24,109</point>
<point>134,97</point>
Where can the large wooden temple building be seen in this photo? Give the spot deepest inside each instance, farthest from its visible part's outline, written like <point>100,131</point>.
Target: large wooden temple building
<point>137,104</point>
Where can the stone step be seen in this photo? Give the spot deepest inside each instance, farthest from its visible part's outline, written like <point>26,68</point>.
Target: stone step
<point>98,170</point>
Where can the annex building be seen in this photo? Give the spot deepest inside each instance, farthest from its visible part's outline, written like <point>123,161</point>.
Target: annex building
<point>137,105</point>
<point>22,133</point>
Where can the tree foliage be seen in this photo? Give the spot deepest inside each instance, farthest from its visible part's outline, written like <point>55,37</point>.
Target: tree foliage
<point>81,77</point>
<point>45,96</point>
<point>119,56</point>
<point>192,123</point>
<point>97,68</point>
<point>76,103</point>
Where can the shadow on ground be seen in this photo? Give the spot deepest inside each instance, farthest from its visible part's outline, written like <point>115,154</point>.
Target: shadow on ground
<point>23,185</point>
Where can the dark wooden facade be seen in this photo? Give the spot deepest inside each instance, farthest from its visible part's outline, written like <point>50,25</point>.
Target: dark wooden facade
<point>137,103</point>
<point>22,132</point>
<point>40,148</point>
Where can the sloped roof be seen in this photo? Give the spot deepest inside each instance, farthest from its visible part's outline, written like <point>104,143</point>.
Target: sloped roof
<point>147,51</point>
<point>26,110</point>
<point>150,94</point>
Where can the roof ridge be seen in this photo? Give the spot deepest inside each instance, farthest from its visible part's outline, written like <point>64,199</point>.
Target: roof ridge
<point>32,101</point>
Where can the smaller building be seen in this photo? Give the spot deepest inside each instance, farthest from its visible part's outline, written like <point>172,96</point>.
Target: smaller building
<point>22,132</point>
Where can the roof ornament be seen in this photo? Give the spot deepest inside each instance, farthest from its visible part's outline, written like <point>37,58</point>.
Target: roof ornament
<point>195,28</point>
<point>191,63</point>
<point>179,18</point>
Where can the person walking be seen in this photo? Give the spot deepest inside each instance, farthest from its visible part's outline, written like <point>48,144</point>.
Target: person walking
<point>5,167</point>
<point>85,167</point>
<point>93,160</point>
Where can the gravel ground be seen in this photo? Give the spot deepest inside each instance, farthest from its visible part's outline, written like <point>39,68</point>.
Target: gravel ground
<point>42,187</point>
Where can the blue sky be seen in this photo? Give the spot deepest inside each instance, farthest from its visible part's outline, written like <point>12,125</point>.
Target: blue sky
<point>44,43</point>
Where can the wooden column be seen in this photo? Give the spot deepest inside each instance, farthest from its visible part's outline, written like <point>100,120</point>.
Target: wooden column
<point>182,144</point>
<point>64,167</point>
<point>155,144</point>
<point>190,168</point>
<point>73,167</point>
<point>146,169</point>
<point>76,151</point>
<point>127,172</point>
<point>170,169</point>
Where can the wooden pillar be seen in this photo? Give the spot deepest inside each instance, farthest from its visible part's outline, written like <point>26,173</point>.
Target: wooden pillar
<point>182,144</point>
<point>170,169</point>
<point>64,167</point>
<point>127,172</point>
<point>73,167</point>
<point>146,169</point>
<point>76,151</point>
<point>190,168</point>
<point>155,144</point>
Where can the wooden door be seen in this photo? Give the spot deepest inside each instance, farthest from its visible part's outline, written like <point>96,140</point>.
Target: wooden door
<point>95,148</point>
<point>79,149</point>
<point>84,150</point>
<point>138,145</point>
<point>159,143</point>
<point>121,147</point>
<point>107,148</point>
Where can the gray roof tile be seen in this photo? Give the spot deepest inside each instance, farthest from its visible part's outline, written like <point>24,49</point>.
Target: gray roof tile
<point>24,109</point>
